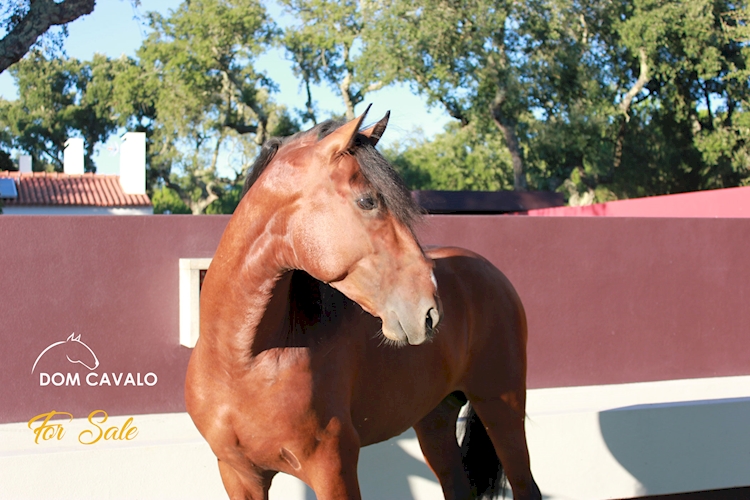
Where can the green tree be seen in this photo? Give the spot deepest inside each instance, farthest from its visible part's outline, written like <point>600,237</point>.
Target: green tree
<point>227,203</point>
<point>597,99</point>
<point>459,159</point>
<point>196,94</point>
<point>326,45</point>
<point>694,99</point>
<point>462,55</point>
<point>166,201</point>
<point>58,99</point>
<point>566,68</point>
<point>6,145</point>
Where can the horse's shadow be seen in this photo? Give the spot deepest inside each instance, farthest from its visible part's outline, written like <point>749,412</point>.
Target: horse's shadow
<point>385,470</point>
<point>684,446</point>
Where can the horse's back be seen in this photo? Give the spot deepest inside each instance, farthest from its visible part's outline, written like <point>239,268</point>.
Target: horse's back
<point>478,299</point>
<point>471,279</point>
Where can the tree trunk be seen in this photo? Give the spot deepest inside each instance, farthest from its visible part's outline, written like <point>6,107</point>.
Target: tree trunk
<point>310,113</point>
<point>41,16</point>
<point>508,127</point>
<point>199,207</point>
<point>345,87</point>
<point>619,143</point>
<point>643,79</point>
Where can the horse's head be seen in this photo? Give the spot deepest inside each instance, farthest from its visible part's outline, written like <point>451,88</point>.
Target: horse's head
<point>345,217</point>
<point>78,352</point>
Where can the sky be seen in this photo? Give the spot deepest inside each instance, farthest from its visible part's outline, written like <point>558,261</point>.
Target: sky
<point>116,27</point>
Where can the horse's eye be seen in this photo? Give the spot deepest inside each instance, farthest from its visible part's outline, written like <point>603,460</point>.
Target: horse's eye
<point>367,202</point>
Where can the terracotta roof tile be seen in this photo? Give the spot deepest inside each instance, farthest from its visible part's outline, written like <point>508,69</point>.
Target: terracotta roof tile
<point>45,188</point>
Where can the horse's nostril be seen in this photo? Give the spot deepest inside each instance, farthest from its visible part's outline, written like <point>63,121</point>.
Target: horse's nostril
<point>429,321</point>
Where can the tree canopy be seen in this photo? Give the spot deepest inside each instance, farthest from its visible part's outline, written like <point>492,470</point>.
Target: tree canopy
<point>58,99</point>
<point>599,100</point>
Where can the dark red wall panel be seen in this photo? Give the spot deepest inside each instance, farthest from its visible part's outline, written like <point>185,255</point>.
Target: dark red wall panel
<point>114,281</point>
<point>616,300</point>
<point>609,300</point>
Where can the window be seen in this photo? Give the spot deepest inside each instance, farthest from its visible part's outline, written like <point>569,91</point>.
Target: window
<point>192,272</point>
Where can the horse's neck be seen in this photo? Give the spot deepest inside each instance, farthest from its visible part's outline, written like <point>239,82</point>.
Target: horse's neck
<point>247,310</point>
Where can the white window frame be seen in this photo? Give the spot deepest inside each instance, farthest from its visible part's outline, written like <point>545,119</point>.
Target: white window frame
<point>190,278</point>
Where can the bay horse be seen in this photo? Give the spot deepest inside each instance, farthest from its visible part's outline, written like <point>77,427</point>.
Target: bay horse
<point>319,320</point>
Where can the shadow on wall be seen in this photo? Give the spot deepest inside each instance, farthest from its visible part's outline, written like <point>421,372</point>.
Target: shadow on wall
<point>682,447</point>
<point>392,471</point>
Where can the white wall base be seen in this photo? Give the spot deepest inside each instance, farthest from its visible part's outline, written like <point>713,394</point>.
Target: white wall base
<point>621,441</point>
<point>585,442</point>
<point>170,460</point>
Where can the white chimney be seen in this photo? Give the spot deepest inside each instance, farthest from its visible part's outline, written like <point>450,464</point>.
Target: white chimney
<point>133,163</point>
<point>24,164</point>
<point>73,156</point>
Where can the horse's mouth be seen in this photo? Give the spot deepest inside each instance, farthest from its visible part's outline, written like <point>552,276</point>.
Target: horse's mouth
<point>394,332</point>
<point>398,335</point>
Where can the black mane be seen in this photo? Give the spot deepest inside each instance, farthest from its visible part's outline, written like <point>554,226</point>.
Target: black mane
<point>378,172</point>
<point>314,303</point>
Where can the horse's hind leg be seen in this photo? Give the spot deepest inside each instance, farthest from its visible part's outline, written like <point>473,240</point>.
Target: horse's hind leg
<point>504,420</point>
<point>437,438</point>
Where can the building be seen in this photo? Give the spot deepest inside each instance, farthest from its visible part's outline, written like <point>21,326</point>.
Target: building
<point>77,193</point>
<point>44,193</point>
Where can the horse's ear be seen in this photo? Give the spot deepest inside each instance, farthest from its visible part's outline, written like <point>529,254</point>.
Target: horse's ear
<point>78,338</point>
<point>342,139</point>
<point>375,132</point>
<point>70,337</point>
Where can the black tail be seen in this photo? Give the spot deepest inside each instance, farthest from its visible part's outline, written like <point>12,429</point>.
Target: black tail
<point>480,460</point>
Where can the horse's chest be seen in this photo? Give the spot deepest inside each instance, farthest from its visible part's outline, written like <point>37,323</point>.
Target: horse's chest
<point>277,409</point>
<point>272,410</point>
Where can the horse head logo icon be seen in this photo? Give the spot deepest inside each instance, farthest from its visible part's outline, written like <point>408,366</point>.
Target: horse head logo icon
<point>75,351</point>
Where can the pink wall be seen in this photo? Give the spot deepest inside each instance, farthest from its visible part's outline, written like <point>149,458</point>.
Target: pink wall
<point>617,300</point>
<point>732,202</point>
<point>114,281</point>
<point>608,300</point>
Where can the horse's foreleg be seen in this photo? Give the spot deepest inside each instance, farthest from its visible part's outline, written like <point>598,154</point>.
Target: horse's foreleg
<point>245,487</point>
<point>504,420</point>
<point>437,438</point>
<point>333,465</point>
